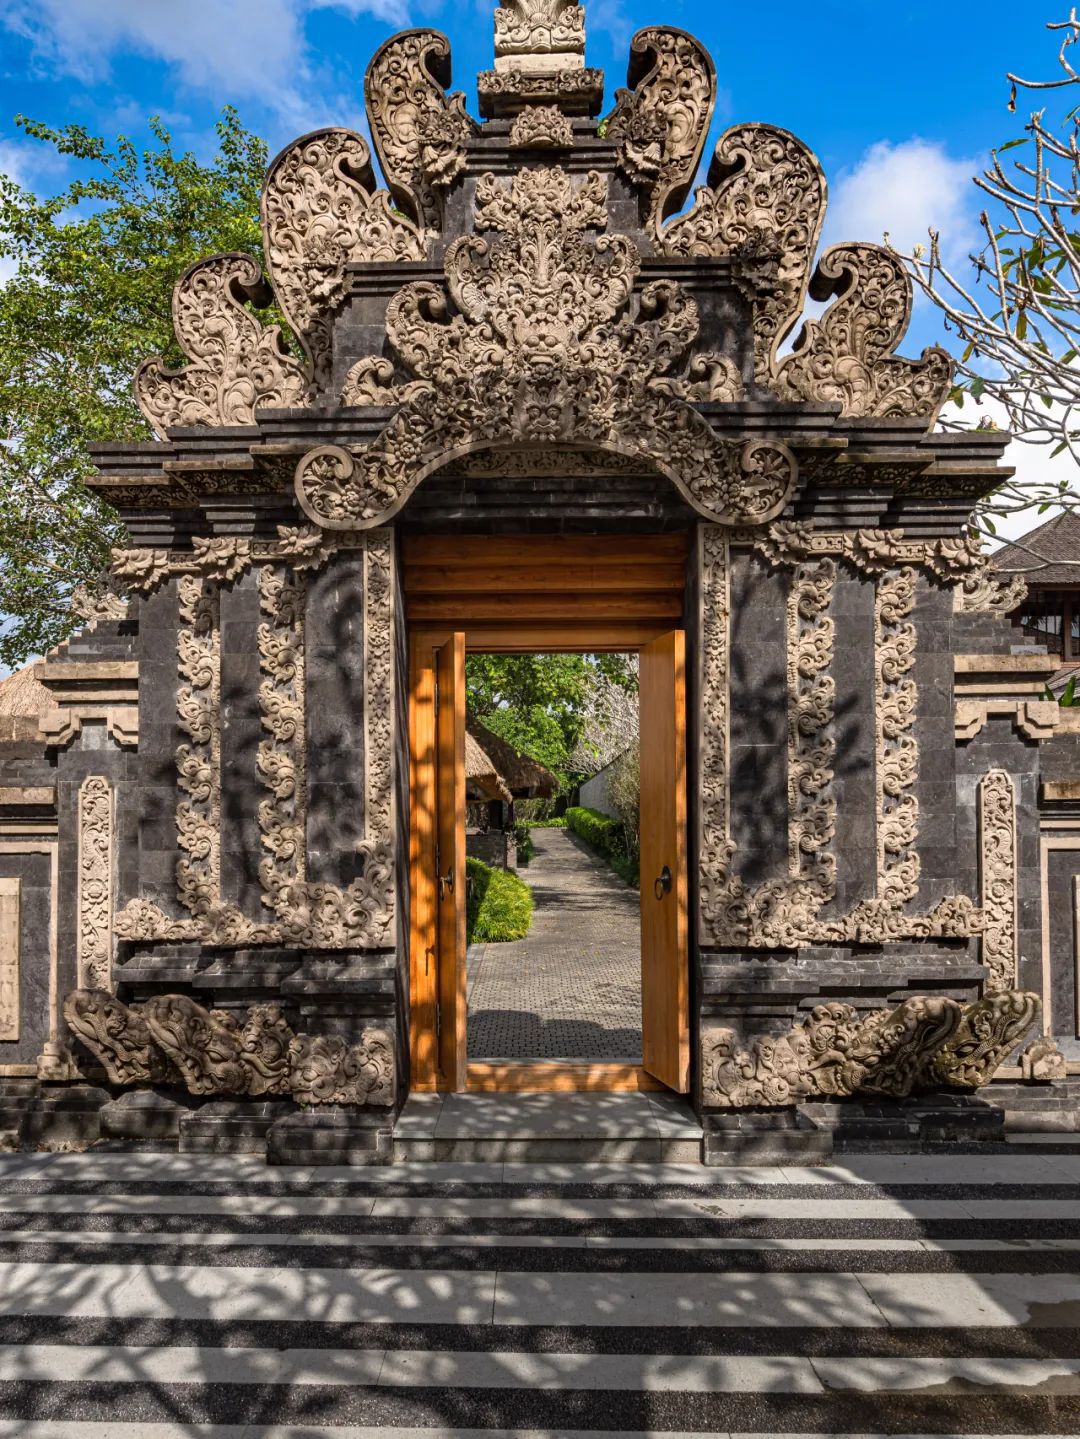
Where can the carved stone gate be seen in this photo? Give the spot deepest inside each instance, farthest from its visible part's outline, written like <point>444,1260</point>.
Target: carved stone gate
<point>528,330</point>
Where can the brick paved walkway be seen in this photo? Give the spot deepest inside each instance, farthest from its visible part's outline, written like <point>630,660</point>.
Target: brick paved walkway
<point>572,988</point>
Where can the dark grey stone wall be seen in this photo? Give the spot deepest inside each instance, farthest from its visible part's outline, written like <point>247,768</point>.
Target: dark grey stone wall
<point>1062,872</point>
<point>153,877</point>
<point>35,928</point>
<point>334,659</point>
<point>758,718</point>
<point>942,871</point>
<point>853,767</point>
<point>241,734</point>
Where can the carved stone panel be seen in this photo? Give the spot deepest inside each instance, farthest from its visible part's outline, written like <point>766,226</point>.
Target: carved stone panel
<point>238,365</point>
<point>10,946</point>
<point>95,883</point>
<point>660,124</point>
<point>847,357</point>
<point>320,212</point>
<point>540,346</point>
<point>766,192</point>
<point>997,878</point>
<point>419,131</point>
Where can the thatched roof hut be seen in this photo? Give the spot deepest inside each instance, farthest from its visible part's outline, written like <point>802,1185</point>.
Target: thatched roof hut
<point>21,695</point>
<point>481,774</point>
<point>525,777</point>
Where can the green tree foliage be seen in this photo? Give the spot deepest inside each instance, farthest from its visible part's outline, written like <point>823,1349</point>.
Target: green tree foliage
<point>541,703</point>
<point>94,268</point>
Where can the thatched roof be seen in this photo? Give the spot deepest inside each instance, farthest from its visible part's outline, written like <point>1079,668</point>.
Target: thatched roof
<point>481,773</point>
<point>22,696</point>
<point>526,778</point>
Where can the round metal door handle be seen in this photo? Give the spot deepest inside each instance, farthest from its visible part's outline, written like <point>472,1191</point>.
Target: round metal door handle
<point>662,883</point>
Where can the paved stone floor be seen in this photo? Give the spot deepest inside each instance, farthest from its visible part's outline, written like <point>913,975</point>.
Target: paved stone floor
<point>154,1296</point>
<point>572,988</point>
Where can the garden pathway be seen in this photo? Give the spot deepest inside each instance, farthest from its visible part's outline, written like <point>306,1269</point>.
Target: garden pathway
<point>572,988</point>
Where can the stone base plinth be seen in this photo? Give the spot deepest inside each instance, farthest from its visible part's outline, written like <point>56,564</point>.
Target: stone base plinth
<point>148,1117</point>
<point>231,1126</point>
<point>331,1135</point>
<point>764,1136</point>
<point>62,1116</point>
<point>864,1123</point>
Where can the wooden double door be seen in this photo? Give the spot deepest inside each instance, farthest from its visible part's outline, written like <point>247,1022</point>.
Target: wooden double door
<point>466,583</point>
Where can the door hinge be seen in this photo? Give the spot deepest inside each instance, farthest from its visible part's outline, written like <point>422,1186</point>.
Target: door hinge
<point>438,1023</point>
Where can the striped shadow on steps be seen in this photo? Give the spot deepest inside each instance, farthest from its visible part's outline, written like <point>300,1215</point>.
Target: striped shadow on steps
<point>920,1299</point>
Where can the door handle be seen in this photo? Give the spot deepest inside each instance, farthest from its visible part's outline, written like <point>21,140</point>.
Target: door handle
<point>662,883</point>
<point>446,883</point>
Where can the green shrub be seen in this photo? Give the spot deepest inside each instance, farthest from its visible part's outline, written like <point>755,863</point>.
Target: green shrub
<point>499,905</point>
<point>523,842</point>
<point>558,822</point>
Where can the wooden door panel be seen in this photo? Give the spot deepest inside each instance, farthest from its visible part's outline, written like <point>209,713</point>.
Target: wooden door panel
<point>665,976</point>
<point>450,857</point>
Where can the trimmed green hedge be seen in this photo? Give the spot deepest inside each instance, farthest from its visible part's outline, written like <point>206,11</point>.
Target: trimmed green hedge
<point>500,905</point>
<point>604,835</point>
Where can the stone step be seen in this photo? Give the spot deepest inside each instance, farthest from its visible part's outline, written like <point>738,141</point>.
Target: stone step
<point>548,1128</point>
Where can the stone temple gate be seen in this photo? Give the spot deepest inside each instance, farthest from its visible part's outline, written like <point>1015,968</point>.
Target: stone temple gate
<point>229,847</point>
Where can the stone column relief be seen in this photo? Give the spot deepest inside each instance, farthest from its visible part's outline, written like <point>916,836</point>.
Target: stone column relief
<point>785,913</point>
<point>310,915</point>
<point>997,877</point>
<point>95,897</point>
<point>10,919</point>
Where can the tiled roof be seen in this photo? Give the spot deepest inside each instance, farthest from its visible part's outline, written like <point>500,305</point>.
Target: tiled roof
<point>1056,540</point>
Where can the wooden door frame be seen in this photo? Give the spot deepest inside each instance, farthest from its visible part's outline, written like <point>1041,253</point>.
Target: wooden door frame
<point>438,620</point>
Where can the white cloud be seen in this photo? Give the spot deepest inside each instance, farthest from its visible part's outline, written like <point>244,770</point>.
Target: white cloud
<point>232,49</point>
<point>903,190</point>
<point>1036,465</point>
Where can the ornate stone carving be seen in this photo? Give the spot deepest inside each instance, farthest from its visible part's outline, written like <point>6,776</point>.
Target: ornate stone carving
<point>538,28</point>
<point>847,357</point>
<point>540,349</point>
<point>985,592</point>
<point>419,131</point>
<point>198,761</point>
<point>660,124</point>
<point>98,603</point>
<point>784,913</point>
<point>896,757</point>
<point>811,745</point>
<point>118,1036</point>
<point>10,957</point>
<point>322,915</point>
<point>281,757</point>
<point>320,212</point>
<point>870,552</point>
<point>171,1039</point>
<point>95,885</point>
<point>836,1052</point>
<point>543,128</point>
<point>326,1070</point>
<point>766,191</point>
<point>373,381</point>
<point>238,365</point>
<point>141,570</point>
<point>989,1031</point>
<point>1042,1062</point>
<point>575,90</point>
<point>997,878</point>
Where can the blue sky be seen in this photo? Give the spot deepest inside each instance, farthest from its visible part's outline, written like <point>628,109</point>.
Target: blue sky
<point>901,102</point>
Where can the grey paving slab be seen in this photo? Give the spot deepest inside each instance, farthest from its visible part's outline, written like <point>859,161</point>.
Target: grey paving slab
<point>547,1116</point>
<point>876,1376</point>
<point>572,988</point>
<point>162,1291</point>
<point>750,1300</point>
<point>1045,1300</point>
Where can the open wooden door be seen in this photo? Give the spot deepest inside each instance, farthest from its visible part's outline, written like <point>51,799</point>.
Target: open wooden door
<point>437,744</point>
<point>665,978</point>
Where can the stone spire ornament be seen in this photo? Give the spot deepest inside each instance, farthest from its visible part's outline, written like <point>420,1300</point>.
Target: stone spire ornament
<point>540,60</point>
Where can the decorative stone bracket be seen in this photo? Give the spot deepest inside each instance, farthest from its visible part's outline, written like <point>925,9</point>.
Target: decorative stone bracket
<point>927,1041</point>
<point>172,1040</point>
